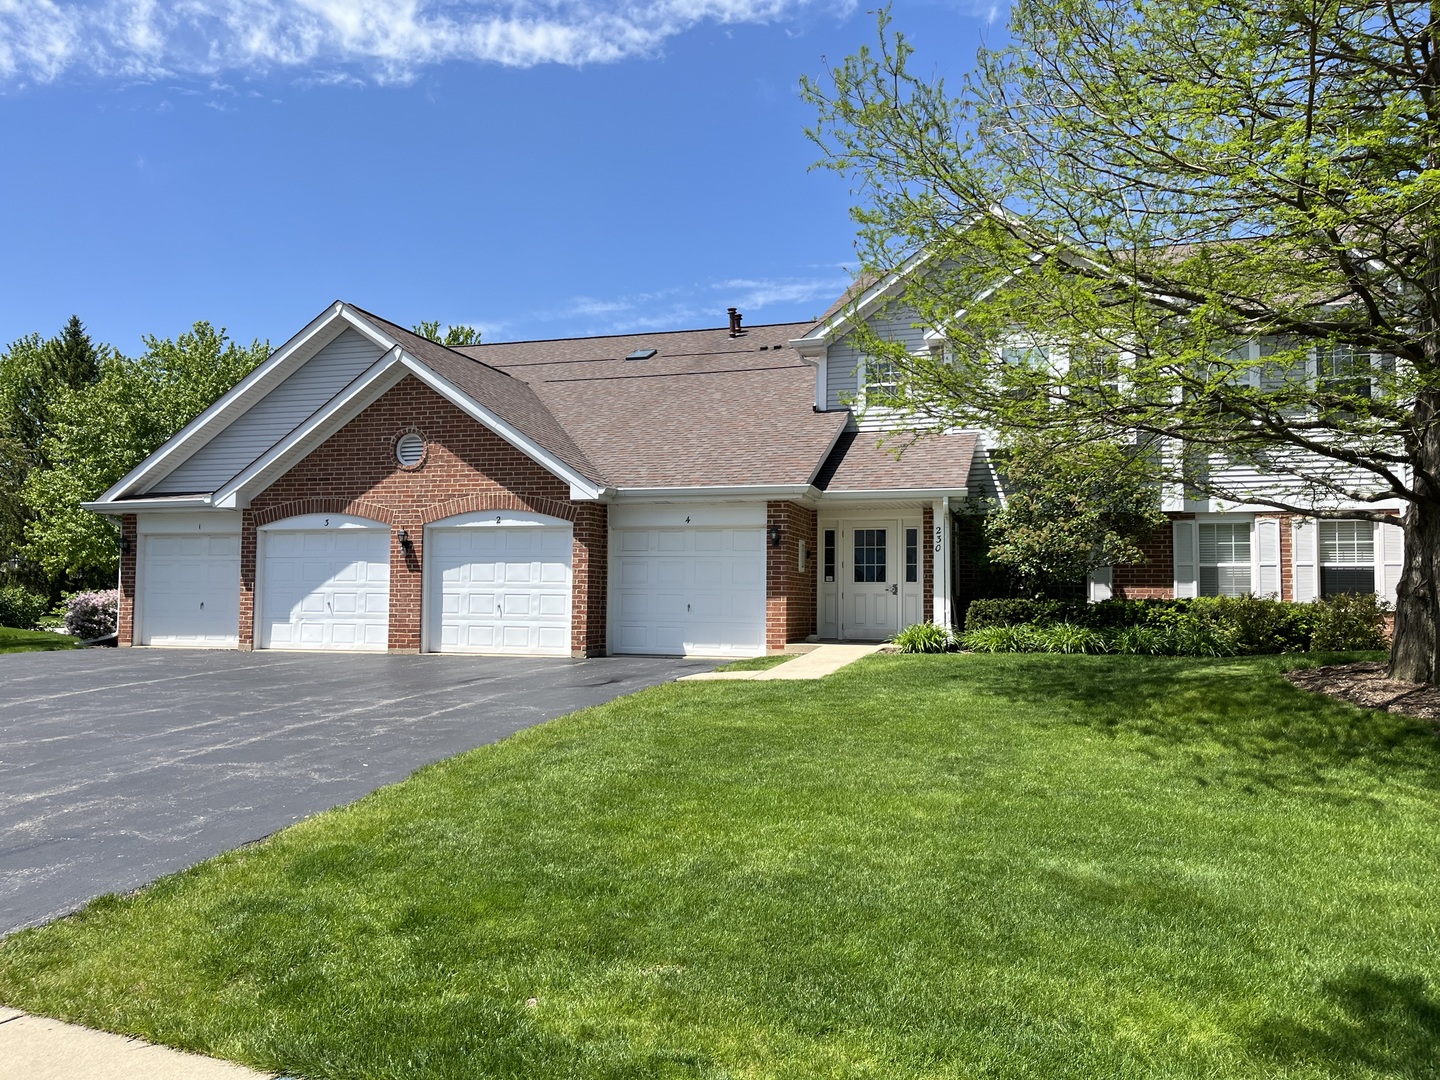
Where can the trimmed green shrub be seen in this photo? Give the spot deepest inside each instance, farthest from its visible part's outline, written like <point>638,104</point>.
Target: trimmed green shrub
<point>21,609</point>
<point>925,637</point>
<point>1346,622</point>
<point>1014,612</point>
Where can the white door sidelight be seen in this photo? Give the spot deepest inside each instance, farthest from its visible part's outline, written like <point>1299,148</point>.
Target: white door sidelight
<point>189,590</point>
<point>324,584</point>
<point>499,582</point>
<point>696,591</point>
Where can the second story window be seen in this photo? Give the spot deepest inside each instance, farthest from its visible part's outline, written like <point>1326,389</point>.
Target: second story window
<point>882,381</point>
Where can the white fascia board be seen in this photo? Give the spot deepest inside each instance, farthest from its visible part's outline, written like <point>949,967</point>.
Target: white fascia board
<point>892,494</point>
<point>527,446</point>
<point>590,494</point>
<point>172,454</point>
<point>835,326</point>
<point>146,506</point>
<point>343,407</point>
<point>729,492</point>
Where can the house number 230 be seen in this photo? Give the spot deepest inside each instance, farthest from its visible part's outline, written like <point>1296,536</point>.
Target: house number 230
<point>939,538</point>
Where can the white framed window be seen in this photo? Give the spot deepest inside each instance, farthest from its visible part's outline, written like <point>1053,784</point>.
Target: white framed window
<point>1225,565</point>
<point>880,381</point>
<point>1347,557</point>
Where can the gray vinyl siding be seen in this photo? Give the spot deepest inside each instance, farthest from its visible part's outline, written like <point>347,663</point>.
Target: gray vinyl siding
<point>843,357</point>
<point>274,416</point>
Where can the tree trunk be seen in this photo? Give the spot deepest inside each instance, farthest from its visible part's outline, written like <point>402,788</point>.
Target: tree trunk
<point>1413,652</point>
<point>1415,649</point>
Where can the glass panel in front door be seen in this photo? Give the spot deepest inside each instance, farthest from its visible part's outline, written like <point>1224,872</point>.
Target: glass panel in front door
<point>870,555</point>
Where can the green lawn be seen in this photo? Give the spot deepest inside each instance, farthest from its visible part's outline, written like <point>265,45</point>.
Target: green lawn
<point>12,640</point>
<point>923,866</point>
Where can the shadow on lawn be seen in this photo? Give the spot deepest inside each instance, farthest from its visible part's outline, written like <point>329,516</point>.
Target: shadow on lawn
<point>1372,1022</point>
<point>1274,735</point>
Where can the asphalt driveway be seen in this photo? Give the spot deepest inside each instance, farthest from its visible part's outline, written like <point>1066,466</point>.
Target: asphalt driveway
<point>118,766</point>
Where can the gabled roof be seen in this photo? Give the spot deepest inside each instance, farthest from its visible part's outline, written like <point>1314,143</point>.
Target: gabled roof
<point>512,400</point>
<point>696,410</point>
<point>507,405</point>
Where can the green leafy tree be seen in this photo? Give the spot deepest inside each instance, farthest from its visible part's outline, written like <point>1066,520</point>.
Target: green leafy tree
<point>104,429</point>
<point>453,335</point>
<point>1208,222</point>
<point>33,373</point>
<point>1069,513</point>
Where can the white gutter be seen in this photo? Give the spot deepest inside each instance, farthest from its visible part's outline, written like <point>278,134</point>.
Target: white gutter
<point>892,494</point>
<point>720,491</point>
<point>135,506</point>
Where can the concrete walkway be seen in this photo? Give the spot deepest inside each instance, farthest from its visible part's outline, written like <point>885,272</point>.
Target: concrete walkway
<point>34,1048</point>
<point>820,661</point>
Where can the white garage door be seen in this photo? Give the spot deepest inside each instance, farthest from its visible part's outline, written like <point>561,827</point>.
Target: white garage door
<point>499,587</point>
<point>190,591</point>
<point>326,588</point>
<point>690,592</point>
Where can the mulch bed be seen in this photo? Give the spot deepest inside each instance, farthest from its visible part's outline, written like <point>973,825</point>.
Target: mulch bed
<point>1366,685</point>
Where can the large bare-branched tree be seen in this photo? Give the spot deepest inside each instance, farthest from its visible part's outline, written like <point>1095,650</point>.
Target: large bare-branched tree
<point>1211,224</point>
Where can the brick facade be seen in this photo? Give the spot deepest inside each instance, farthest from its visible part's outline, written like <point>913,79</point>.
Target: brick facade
<point>467,468</point>
<point>1154,579</point>
<point>790,598</point>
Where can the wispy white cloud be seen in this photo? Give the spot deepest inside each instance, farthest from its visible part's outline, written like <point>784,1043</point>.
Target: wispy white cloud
<point>681,307</point>
<point>387,40</point>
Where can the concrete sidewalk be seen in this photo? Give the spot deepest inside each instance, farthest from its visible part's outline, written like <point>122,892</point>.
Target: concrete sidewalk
<point>820,661</point>
<point>34,1048</point>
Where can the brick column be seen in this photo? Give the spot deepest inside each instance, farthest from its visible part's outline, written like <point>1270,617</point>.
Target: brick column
<point>1287,556</point>
<point>790,613</point>
<point>125,621</point>
<point>248,538</point>
<point>590,575</point>
<point>405,584</point>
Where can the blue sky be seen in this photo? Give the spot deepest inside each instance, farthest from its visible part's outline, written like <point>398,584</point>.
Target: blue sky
<point>539,168</point>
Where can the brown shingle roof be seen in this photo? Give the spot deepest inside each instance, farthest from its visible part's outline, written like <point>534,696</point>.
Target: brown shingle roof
<point>511,399</point>
<point>861,462</point>
<point>706,410</point>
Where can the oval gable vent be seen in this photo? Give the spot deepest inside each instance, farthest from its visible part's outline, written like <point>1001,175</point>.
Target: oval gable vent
<point>410,450</point>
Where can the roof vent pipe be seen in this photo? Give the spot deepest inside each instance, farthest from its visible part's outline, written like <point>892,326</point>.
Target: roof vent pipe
<point>735,318</point>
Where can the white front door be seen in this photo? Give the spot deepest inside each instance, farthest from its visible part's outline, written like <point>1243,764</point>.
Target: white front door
<point>190,590</point>
<point>326,588</point>
<point>695,591</point>
<point>499,589</point>
<point>870,580</point>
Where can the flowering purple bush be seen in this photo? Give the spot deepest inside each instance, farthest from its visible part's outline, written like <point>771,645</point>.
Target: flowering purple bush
<point>92,614</point>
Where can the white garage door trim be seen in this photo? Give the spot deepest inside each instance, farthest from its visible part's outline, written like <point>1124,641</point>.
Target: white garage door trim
<point>692,591</point>
<point>535,611</point>
<point>189,589</point>
<point>360,586</point>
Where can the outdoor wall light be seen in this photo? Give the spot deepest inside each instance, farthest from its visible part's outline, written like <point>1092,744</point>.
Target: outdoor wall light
<point>405,542</point>
<point>774,535</point>
<point>124,544</point>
